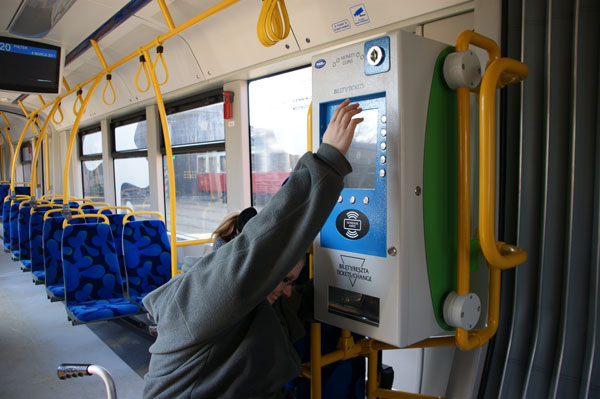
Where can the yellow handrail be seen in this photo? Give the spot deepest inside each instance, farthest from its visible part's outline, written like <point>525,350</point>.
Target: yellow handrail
<point>46,215</point>
<point>42,138</point>
<point>48,204</point>
<point>106,205</point>
<point>487,150</point>
<point>115,207</point>
<point>13,166</point>
<point>126,217</point>
<point>189,243</point>
<point>87,215</point>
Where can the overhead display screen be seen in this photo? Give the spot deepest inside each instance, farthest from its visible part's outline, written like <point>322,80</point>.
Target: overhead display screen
<point>28,66</point>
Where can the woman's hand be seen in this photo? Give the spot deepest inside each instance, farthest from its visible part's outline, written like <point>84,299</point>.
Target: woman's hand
<point>340,131</point>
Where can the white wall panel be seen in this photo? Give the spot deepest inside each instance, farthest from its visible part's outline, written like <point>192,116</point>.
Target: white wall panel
<point>325,21</point>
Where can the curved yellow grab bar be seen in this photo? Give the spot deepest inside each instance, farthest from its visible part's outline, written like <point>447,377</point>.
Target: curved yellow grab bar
<point>126,217</point>
<point>487,157</point>
<point>46,215</point>
<point>75,199</point>
<point>189,243</point>
<point>88,215</point>
<point>23,183</point>
<point>115,207</point>
<point>51,196</point>
<point>80,207</point>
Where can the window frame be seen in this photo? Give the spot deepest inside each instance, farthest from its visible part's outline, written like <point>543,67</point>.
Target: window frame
<point>126,120</point>
<point>83,132</point>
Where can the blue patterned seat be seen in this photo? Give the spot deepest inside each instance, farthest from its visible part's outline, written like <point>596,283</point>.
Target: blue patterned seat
<point>116,228</point>
<point>93,283</point>
<point>147,254</point>
<point>14,229</point>
<point>23,229</point>
<point>6,223</point>
<point>36,253</point>
<point>22,190</point>
<point>3,193</point>
<point>52,247</point>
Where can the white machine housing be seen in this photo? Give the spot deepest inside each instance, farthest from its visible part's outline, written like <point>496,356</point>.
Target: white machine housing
<point>381,293</point>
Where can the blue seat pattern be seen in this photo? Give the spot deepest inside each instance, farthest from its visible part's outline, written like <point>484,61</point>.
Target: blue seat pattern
<point>147,252</point>
<point>14,228</point>
<point>36,224</point>
<point>93,283</point>
<point>3,193</point>
<point>22,190</point>
<point>23,229</point>
<point>6,224</point>
<point>52,244</point>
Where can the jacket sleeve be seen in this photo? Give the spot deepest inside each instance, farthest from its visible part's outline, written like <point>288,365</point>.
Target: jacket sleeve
<point>229,283</point>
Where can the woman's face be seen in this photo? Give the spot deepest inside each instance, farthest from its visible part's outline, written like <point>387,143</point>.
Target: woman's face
<point>285,286</point>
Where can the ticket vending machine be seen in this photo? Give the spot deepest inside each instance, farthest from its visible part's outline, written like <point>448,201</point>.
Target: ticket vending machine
<point>379,269</point>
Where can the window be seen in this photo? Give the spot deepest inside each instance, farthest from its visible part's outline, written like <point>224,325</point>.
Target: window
<point>132,180</point>
<point>90,144</point>
<point>277,129</point>
<point>197,133</point>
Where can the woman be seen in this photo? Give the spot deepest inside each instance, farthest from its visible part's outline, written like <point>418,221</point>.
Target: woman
<point>231,227</point>
<point>218,335</point>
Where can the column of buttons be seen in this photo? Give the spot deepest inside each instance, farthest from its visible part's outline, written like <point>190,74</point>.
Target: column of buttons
<point>383,145</point>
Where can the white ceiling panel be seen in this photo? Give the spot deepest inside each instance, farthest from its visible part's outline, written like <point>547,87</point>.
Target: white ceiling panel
<point>222,47</point>
<point>82,19</point>
<point>7,11</point>
<point>316,21</point>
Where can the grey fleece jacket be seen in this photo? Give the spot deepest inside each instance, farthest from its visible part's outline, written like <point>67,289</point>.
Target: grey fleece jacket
<point>218,337</point>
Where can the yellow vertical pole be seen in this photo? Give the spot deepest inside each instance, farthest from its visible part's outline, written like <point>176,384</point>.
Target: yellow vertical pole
<point>47,160</point>
<point>1,162</point>
<point>170,168</point>
<point>43,137</point>
<point>8,138</point>
<point>165,12</point>
<point>13,166</point>
<point>84,104</point>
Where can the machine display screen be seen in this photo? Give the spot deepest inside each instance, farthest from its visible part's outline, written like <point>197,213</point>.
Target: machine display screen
<point>362,154</point>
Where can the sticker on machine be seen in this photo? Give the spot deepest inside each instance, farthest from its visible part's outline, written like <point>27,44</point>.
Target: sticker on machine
<point>353,268</point>
<point>359,14</point>
<point>352,224</point>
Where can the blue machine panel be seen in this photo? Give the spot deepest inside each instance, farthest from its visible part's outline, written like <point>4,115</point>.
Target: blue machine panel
<point>358,223</point>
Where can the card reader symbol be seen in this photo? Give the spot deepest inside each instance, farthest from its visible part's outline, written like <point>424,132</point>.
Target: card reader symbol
<point>352,224</point>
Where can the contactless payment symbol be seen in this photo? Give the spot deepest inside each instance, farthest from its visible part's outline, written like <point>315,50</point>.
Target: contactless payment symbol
<point>352,224</point>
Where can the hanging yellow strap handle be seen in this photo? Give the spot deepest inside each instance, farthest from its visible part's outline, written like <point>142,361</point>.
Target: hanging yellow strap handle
<point>62,117</point>
<point>109,83</point>
<point>159,55</point>
<point>137,76</point>
<point>35,126</point>
<point>273,22</point>
<point>80,99</point>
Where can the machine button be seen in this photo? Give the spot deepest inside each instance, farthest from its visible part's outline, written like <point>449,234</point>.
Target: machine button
<point>352,199</point>
<point>383,132</point>
<point>381,172</point>
<point>383,119</point>
<point>383,146</point>
<point>366,200</point>
<point>340,199</point>
<point>382,159</point>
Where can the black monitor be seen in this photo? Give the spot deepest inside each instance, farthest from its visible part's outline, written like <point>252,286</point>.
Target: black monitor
<point>29,67</point>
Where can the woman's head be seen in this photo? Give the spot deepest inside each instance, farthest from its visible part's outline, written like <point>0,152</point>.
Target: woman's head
<point>284,288</point>
<point>232,224</point>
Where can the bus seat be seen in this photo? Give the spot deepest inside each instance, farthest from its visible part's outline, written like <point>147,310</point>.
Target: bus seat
<point>23,229</point>
<point>116,228</point>
<point>93,283</point>
<point>22,190</point>
<point>147,251</point>
<point>14,229</point>
<point>3,193</point>
<point>36,224</point>
<point>6,224</point>
<point>91,209</point>
<point>52,231</point>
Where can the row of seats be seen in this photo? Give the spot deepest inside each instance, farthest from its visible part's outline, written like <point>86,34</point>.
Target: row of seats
<point>98,265</point>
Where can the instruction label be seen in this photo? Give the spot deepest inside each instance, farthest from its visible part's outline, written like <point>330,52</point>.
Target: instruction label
<point>353,268</point>
<point>359,14</point>
<point>340,26</point>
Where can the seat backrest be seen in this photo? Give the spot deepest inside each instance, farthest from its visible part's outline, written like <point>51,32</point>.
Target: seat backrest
<point>116,228</point>
<point>51,246</point>
<point>91,268</point>
<point>23,228</point>
<point>14,225</point>
<point>6,223</point>
<point>22,190</point>
<point>36,225</point>
<point>4,188</point>
<point>147,251</point>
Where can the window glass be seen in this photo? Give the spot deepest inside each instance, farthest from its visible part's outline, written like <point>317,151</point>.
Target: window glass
<point>278,129</point>
<point>93,180</point>
<point>201,189</point>
<point>198,125</point>
<point>91,143</point>
<point>131,137</point>
<point>132,183</point>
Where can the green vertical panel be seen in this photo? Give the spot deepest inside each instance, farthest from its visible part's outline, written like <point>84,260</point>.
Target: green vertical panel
<point>440,191</point>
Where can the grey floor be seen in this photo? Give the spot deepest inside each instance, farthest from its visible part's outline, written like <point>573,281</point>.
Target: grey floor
<point>35,337</point>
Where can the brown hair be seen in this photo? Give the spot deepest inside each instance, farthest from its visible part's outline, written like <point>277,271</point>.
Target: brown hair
<point>227,230</point>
